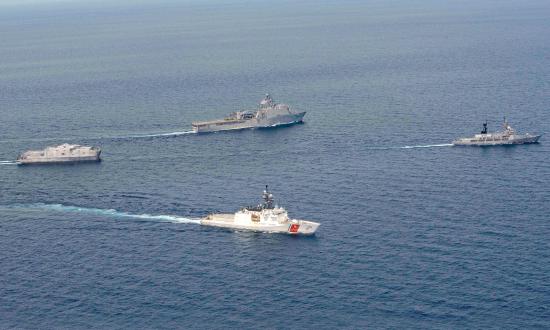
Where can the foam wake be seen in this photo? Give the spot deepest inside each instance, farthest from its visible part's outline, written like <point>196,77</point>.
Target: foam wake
<point>428,146</point>
<point>413,147</point>
<point>7,162</point>
<point>107,213</point>
<point>99,138</point>
<point>160,134</point>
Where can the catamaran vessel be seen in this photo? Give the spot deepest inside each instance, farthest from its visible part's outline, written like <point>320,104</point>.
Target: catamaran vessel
<point>61,154</point>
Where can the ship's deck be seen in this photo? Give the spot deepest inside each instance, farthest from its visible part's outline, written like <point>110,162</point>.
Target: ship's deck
<point>217,121</point>
<point>224,217</point>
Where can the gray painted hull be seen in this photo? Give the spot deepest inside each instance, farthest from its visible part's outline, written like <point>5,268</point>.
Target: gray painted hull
<point>524,139</point>
<point>221,125</point>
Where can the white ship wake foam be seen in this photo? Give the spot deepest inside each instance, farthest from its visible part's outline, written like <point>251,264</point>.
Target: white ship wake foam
<point>142,136</point>
<point>99,138</point>
<point>413,147</point>
<point>105,212</point>
<point>7,162</point>
<point>161,134</point>
<point>428,146</point>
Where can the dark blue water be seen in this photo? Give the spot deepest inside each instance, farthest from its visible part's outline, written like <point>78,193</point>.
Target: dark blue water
<point>414,233</point>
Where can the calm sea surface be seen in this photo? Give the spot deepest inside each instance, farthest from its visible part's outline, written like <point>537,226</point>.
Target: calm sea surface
<point>414,233</point>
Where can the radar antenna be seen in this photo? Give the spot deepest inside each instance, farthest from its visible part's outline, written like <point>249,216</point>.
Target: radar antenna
<point>484,131</point>
<point>266,102</point>
<point>507,126</point>
<point>268,198</point>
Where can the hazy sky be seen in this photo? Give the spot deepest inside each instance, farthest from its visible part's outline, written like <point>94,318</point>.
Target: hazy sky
<point>30,2</point>
<point>46,2</point>
<point>40,2</point>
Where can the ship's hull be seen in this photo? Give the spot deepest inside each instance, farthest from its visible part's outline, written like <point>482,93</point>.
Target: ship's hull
<point>525,139</point>
<point>294,227</point>
<point>59,160</point>
<point>229,125</point>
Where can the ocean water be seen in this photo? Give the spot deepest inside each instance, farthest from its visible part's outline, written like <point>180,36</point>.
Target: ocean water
<point>414,233</point>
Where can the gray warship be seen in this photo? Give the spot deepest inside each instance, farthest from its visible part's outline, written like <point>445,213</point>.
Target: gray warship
<point>268,114</point>
<point>61,154</point>
<point>507,136</point>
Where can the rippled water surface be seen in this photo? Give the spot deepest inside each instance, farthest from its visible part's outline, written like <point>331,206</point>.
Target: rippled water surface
<point>414,233</point>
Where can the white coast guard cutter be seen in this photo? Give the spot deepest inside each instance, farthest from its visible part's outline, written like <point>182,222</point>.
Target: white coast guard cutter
<point>264,218</point>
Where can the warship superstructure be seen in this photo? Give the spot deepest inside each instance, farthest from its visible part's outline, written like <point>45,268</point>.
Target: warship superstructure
<point>64,153</point>
<point>264,217</point>
<point>268,114</point>
<point>507,136</point>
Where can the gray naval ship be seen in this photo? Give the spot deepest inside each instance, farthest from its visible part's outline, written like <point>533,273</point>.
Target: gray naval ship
<point>508,136</point>
<point>268,114</point>
<point>61,154</point>
<point>264,217</point>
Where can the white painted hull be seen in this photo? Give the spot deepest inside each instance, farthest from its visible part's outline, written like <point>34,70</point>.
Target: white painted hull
<point>292,227</point>
<point>523,139</point>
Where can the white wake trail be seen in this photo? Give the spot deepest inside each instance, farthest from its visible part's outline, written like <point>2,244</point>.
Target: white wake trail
<point>161,134</point>
<point>413,147</point>
<point>99,138</point>
<point>7,162</point>
<point>108,213</point>
<point>427,146</point>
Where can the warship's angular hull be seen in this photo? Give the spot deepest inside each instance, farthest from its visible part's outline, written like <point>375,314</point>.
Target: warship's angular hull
<point>228,125</point>
<point>268,114</point>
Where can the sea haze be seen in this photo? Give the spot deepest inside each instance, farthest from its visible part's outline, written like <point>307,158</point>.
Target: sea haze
<point>414,233</point>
